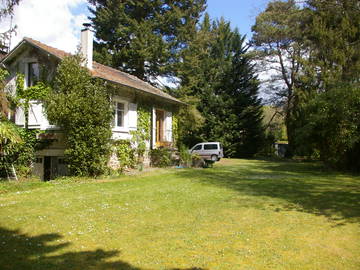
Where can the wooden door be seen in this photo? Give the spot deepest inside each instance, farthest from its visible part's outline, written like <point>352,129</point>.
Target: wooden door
<point>159,127</point>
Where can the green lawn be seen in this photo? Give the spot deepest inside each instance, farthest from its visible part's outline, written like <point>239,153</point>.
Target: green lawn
<point>241,214</point>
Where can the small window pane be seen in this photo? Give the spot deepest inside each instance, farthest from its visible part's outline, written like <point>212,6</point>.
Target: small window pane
<point>120,117</point>
<point>198,147</point>
<point>210,146</point>
<point>119,114</point>
<point>120,106</point>
<point>33,74</point>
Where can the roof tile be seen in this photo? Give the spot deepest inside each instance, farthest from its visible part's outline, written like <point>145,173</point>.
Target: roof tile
<point>108,73</point>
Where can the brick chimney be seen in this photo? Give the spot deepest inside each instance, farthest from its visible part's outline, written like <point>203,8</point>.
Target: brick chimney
<point>86,46</point>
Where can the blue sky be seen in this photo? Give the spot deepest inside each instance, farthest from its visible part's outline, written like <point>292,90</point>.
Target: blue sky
<point>241,13</point>
<point>62,29</point>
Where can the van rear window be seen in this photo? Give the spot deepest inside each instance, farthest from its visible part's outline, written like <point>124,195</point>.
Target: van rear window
<point>210,146</point>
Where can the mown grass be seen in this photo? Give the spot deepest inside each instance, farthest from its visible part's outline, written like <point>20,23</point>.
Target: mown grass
<point>241,214</point>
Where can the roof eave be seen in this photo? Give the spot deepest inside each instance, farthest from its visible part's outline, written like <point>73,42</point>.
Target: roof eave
<point>170,100</point>
<point>25,40</point>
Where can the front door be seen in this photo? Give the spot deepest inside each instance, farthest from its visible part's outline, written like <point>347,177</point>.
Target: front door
<point>50,168</point>
<point>159,127</point>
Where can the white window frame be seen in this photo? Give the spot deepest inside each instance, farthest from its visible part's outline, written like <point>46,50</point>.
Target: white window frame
<point>125,127</point>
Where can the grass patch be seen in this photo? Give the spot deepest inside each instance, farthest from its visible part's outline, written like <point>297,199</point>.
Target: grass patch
<point>241,214</point>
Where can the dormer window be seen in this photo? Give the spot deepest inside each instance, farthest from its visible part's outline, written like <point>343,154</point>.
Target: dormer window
<point>33,74</point>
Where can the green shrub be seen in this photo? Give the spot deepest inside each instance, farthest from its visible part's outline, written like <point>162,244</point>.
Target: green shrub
<point>185,157</point>
<point>80,105</point>
<point>160,157</point>
<point>197,161</point>
<point>126,154</point>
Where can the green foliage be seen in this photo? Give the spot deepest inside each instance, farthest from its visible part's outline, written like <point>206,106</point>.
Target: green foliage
<point>144,38</point>
<point>219,79</point>
<point>190,122</point>
<point>175,128</point>
<point>125,153</point>
<point>274,123</point>
<point>9,138</point>
<point>333,127</point>
<point>280,48</point>
<point>20,149</point>
<point>80,105</point>
<point>143,132</point>
<point>327,119</point>
<point>23,96</point>
<point>4,103</point>
<point>185,156</point>
<point>333,32</point>
<point>160,157</point>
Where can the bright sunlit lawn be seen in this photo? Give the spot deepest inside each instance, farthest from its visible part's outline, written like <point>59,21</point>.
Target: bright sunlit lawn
<point>241,214</point>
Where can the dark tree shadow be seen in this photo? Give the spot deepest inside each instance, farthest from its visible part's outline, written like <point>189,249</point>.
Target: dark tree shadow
<point>20,251</point>
<point>305,186</point>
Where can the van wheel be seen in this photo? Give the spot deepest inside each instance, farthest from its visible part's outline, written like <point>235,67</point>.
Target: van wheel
<point>214,158</point>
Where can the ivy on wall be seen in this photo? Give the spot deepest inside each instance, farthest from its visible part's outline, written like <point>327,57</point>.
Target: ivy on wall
<point>143,132</point>
<point>125,154</point>
<point>23,96</point>
<point>175,128</point>
<point>22,155</point>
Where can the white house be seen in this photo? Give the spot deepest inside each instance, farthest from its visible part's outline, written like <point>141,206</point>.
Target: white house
<point>31,56</point>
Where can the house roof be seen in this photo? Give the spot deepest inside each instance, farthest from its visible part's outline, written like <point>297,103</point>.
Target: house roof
<point>102,71</point>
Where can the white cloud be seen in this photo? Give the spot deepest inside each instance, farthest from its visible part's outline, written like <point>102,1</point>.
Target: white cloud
<point>52,22</point>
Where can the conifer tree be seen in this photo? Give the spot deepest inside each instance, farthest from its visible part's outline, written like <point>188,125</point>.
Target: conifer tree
<point>143,37</point>
<point>218,73</point>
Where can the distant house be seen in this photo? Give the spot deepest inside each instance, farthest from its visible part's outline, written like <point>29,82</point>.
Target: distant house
<point>29,56</point>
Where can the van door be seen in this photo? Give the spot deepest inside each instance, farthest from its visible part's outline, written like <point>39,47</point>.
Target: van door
<point>210,149</point>
<point>197,149</point>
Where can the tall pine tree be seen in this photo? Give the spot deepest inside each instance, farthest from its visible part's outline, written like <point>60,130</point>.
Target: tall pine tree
<point>280,49</point>
<point>144,37</point>
<point>218,72</point>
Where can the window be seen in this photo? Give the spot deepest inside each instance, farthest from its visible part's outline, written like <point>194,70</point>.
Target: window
<point>119,114</point>
<point>61,161</point>
<point>33,74</point>
<point>160,126</point>
<point>198,147</point>
<point>210,147</point>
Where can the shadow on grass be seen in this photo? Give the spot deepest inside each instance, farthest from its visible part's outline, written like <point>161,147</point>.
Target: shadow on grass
<point>304,186</point>
<point>21,251</point>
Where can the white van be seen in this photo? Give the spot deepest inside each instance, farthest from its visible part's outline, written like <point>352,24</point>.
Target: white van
<point>208,150</point>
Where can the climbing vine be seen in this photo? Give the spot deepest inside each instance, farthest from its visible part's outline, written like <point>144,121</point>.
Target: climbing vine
<point>125,153</point>
<point>142,134</point>
<point>175,128</point>
<point>24,95</point>
<point>23,155</point>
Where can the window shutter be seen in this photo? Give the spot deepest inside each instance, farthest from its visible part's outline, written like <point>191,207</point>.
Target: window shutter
<point>132,116</point>
<point>153,131</point>
<point>168,126</point>
<point>35,114</point>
